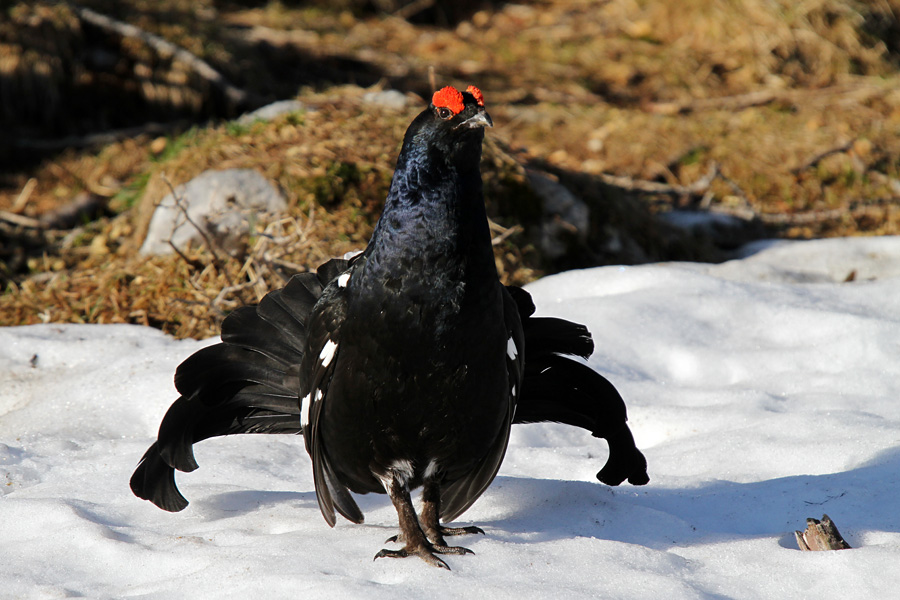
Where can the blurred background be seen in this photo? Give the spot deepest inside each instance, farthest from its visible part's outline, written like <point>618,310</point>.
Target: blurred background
<point>625,132</point>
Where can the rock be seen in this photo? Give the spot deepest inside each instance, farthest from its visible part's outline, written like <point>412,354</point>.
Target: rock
<point>219,203</point>
<point>565,215</point>
<point>391,99</point>
<point>725,231</point>
<point>271,111</point>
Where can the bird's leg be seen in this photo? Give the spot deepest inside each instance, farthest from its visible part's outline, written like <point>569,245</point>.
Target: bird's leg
<point>415,542</point>
<point>431,510</point>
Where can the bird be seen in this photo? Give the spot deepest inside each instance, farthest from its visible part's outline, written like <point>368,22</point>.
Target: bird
<point>404,366</point>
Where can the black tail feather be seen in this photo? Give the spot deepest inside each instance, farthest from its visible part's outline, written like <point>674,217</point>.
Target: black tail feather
<point>550,335</point>
<point>559,389</point>
<point>246,384</point>
<point>562,390</point>
<point>154,480</point>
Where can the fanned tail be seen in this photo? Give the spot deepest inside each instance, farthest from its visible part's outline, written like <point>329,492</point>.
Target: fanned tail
<point>248,383</point>
<point>560,389</point>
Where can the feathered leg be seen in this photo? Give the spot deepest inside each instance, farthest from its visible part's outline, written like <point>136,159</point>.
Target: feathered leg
<point>430,521</point>
<point>423,538</point>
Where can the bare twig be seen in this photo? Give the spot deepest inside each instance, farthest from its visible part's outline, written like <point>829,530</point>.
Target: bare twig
<point>853,209</point>
<point>746,210</point>
<point>413,8</point>
<point>852,91</point>
<point>284,264</point>
<point>20,220</point>
<point>165,49</point>
<point>504,232</point>
<point>432,79</point>
<point>22,199</point>
<point>724,103</point>
<point>231,289</point>
<point>815,160</point>
<point>99,139</point>
<point>203,234</point>
<point>193,263</point>
<point>652,187</point>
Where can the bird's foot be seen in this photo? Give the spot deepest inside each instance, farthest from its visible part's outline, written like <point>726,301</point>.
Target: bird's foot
<point>448,531</point>
<point>443,531</point>
<point>425,552</point>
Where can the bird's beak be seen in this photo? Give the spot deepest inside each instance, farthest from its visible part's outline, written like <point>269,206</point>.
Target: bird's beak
<point>479,119</point>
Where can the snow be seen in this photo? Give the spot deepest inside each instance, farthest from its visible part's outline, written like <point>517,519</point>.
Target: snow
<point>763,391</point>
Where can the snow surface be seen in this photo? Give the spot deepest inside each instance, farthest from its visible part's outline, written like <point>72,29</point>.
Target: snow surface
<point>763,391</point>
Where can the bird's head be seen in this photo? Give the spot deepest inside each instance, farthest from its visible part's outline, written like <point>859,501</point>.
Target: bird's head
<point>460,110</point>
<point>452,127</point>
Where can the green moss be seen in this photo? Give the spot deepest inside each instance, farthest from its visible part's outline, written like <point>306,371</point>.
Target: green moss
<point>334,186</point>
<point>130,193</point>
<point>176,144</point>
<point>237,129</point>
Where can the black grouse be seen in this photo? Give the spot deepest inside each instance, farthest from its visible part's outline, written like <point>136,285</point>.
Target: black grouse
<point>403,367</point>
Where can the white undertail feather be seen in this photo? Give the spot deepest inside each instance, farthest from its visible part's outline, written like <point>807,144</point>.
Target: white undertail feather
<point>402,468</point>
<point>327,353</point>
<point>304,409</point>
<point>511,351</point>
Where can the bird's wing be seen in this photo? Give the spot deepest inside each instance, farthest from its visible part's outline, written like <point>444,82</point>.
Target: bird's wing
<point>457,497</point>
<point>316,373</point>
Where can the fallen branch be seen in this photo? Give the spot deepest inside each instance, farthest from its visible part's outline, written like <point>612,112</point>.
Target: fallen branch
<point>225,291</point>
<point>99,139</point>
<point>504,232</point>
<point>856,91</point>
<point>738,102</point>
<point>853,209</point>
<point>166,49</point>
<point>22,199</point>
<point>412,9</point>
<point>696,188</point>
<point>820,535</point>
<point>20,220</point>
<point>815,160</point>
<point>217,262</point>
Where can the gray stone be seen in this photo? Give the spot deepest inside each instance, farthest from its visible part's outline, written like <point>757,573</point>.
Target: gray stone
<point>218,202</point>
<point>565,215</point>
<point>271,111</point>
<point>391,99</point>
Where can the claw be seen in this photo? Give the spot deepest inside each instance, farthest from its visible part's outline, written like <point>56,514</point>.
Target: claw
<point>449,531</point>
<point>423,553</point>
<point>451,550</point>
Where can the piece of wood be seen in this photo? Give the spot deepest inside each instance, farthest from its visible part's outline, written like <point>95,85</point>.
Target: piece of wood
<point>166,49</point>
<point>697,188</point>
<point>815,160</point>
<point>820,535</point>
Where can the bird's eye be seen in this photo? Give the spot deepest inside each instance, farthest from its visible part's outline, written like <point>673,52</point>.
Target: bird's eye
<point>444,112</point>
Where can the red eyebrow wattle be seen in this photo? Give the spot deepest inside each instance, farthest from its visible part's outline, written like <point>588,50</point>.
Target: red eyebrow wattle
<point>476,93</point>
<point>449,97</point>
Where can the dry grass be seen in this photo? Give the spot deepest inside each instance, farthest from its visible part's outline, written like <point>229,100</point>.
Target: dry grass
<point>797,103</point>
<point>333,163</point>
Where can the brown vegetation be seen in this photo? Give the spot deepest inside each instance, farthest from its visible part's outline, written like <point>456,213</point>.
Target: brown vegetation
<point>794,107</point>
